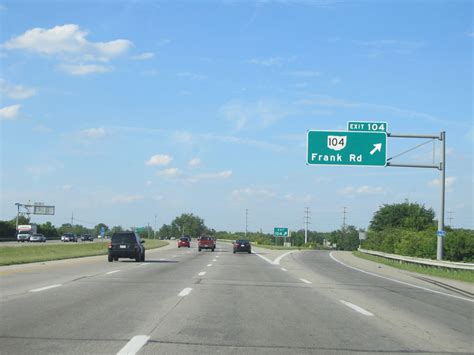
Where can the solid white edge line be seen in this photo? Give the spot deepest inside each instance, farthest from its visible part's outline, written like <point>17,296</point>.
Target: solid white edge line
<point>277,260</point>
<point>112,272</point>
<point>264,258</point>
<point>306,281</point>
<point>357,308</point>
<point>400,282</point>
<point>134,345</point>
<point>209,265</point>
<point>202,273</point>
<point>214,260</point>
<point>186,291</point>
<point>283,269</point>
<point>44,288</point>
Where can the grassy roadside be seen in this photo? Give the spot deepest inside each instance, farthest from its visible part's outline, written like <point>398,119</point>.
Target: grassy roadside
<point>10,255</point>
<point>460,275</point>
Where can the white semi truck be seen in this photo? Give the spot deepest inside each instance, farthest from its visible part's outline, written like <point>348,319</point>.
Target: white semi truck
<point>24,232</point>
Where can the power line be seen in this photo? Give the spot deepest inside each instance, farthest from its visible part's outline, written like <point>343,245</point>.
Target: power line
<point>450,218</point>
<point>246,221</point>
<point>307,218</point>
<point>344,217</point>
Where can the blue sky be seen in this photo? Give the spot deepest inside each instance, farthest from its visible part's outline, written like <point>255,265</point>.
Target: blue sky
<point>120,111</point>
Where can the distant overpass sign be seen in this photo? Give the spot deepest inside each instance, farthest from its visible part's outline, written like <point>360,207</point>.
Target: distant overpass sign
<point>346,148</point>
<point>280,232</point>
<point>365,126</point>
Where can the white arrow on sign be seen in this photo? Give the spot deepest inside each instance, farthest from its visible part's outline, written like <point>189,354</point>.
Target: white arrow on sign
<point>377,147</point>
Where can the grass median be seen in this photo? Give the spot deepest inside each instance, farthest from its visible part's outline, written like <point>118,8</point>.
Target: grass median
<point>10,255</point>
<point>461,275</point>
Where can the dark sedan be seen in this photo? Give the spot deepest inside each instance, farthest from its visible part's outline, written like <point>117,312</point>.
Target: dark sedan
<point>242,246</point>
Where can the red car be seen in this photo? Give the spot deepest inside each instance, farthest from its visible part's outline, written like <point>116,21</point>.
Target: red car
<point>184,242</point>
<point>206,243</point>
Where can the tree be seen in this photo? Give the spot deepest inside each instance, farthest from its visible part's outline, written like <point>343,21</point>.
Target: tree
<point>49,231</point>
<point>22,219</point>
<point>65,228</point>
<point>402,215</point>
<point>188,224</point>
<point>7,231</point>
<point>164,232</point>
<point>98,228</point>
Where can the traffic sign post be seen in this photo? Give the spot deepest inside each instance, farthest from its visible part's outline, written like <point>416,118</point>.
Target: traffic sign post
<point>346,148</point>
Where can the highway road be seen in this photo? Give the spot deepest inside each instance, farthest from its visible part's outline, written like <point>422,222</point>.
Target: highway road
<point>183,301</point>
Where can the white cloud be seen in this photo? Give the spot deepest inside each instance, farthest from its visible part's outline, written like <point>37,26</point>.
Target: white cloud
<point>148,183</point>
<point>183,137</point>
<point>262,113</point>
<point>192,76</point>
<point>248,192</point>
<point>158,197</point>
<point>170,172</point>
<point>219,175</point>
<point>159,160</point>
<point>16,92</point>
<point>362,190</point>
<point>66,187</point>
<point>267,62</point>
<point>195,162</point>
<point>126,198</point>
<point>328,101</point>
<point>93,132</point>
<point>9,112</point>
<point>335,81</point>
<point>3,7</point>
<point>143,56</point>
<point>40,170</point>
<point>84,69</point>
<point>67,40</point>
<point>305,74</point>
<point>450,180</point>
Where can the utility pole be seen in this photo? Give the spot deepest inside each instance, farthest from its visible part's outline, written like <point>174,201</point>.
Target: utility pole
<point>246,221</point>
<point>72,221</point>
<point>344,218</point>
<point>17,215</point>
<point>154,232</point>
<point>450,218</point>
<point>148,230</point>
<point>307,217</point>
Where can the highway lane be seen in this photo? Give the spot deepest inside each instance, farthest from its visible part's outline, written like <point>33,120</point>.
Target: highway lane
<point>224,303</point>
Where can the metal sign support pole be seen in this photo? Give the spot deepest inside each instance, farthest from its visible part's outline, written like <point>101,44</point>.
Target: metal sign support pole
<point>441,167</point>
<point>439,249</point>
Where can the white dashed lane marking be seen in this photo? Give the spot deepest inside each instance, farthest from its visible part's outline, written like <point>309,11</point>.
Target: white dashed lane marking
<point>357,308</point>
<point>112,272</point>
<point>134,345</point>
<point>202,273</point>
<point>306,281</point>
<point>45,288</point>
<point>185,292</point>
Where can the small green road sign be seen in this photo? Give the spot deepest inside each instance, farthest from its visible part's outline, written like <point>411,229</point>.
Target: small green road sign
<point>280,232</point>
<point>346,148</point>
<point>140,229</point>
<point>367,126</point>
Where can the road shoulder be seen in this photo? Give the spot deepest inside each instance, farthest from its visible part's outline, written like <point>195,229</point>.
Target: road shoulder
<point>402,275</point>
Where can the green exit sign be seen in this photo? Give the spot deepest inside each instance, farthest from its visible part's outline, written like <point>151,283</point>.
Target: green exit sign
<point>280,232</point>
<point>367,126</point>
<point>346,148</point>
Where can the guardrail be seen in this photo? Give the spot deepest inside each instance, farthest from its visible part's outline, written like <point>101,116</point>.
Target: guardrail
<point>421,261</point>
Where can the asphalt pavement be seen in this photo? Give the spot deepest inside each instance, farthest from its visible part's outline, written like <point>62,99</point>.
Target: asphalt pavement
<point>183,301</point>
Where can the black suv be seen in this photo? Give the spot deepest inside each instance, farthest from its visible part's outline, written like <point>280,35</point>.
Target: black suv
<point>86,237</point>
<point>126,245</point>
